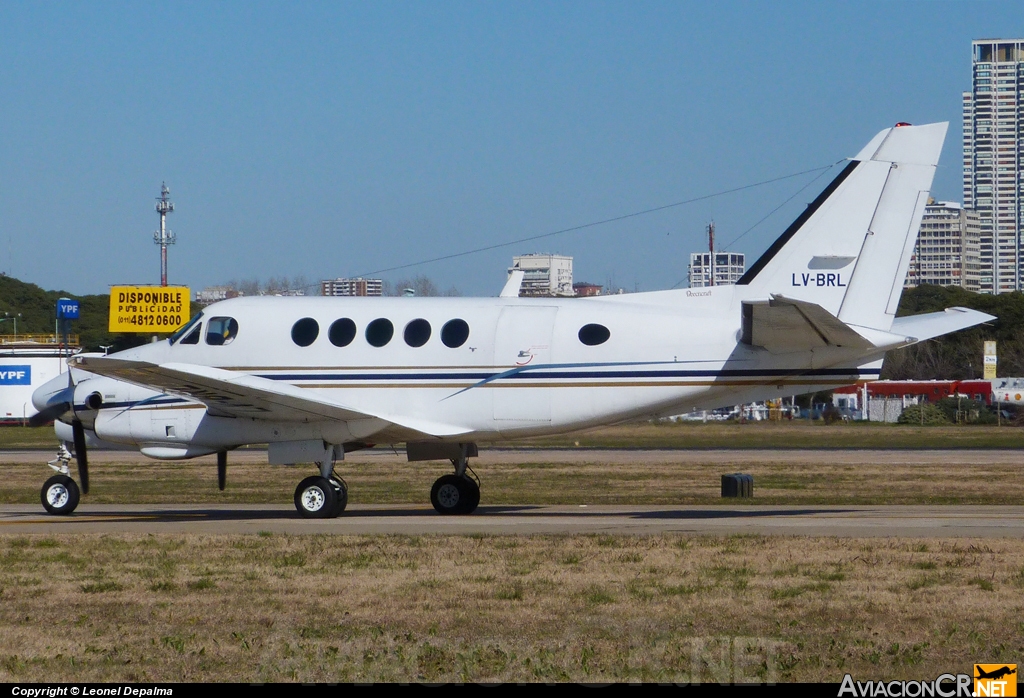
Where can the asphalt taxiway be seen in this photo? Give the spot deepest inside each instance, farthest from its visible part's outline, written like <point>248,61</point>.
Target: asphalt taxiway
<point>843,521</point>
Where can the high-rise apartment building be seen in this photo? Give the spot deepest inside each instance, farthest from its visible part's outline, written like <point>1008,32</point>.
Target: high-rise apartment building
<point>351,287</point>
<point>544,274</point>
<point>727,269</point>
<point>948,248</point>
<point>993,112</point>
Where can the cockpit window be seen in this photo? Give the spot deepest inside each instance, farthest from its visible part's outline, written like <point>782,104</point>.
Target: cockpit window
<point>193,336</point>
<point>184,330</point>
<point>221,330</point>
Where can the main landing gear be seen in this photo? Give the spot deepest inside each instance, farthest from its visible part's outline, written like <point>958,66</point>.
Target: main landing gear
<point>322,496</point>
<point>458,493</point>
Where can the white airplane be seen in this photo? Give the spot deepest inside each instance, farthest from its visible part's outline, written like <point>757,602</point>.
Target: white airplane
<point>318,377</point>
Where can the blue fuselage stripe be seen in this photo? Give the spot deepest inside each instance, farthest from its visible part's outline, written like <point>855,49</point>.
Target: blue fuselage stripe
<point>538,373</point>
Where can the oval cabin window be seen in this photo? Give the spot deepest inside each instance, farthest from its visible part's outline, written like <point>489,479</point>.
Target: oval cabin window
<point>594,334</point>
<point>305,331</point>
<point>342,332</point>
<point>454,333</point>
<point>417,332</point>
<point>379,332</point>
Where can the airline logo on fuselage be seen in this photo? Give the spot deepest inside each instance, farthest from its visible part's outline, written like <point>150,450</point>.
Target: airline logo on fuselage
<point>819,279</point>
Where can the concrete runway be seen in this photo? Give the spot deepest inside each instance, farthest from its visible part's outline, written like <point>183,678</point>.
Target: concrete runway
<point>844,521</point>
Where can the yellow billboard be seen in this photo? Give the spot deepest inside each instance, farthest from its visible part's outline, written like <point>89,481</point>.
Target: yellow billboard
<point>148,308</point>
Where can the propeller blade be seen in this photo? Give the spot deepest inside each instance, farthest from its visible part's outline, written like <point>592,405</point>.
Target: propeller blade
<point>78,431</point>
<point>48,414</point>
<point>222,469</point>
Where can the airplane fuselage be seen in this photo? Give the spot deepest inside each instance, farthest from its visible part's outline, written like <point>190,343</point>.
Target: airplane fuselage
<point>525,367</point>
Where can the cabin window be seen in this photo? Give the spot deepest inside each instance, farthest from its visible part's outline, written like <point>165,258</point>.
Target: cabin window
<point>342,332</point>
<point>379,332</point>
<point>454,333</point>
<point>193,336</point>
<point>305,331</point>
<point>417,332</point>
<point>194,322</point>
<point>594,334</point>
<point>221,330</point>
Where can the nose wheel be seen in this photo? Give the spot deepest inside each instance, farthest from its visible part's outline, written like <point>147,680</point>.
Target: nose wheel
<point>60,495</point>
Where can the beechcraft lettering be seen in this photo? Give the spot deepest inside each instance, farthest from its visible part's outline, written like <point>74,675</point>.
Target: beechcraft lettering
<point>318,377</point>
<point>819,279</point>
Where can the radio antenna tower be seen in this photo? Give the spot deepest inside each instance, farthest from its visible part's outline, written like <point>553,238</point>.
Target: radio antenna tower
<point>711,249</point>
<point>163,237</point>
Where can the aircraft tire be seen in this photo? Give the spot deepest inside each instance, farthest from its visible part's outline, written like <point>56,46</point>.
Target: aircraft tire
<point>315,498</point>
<point>473,500</point>
<point>341,497</point>
<point>60,495</point>
<point>452,494</point>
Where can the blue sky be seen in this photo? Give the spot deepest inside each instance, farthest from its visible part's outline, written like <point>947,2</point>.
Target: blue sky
<point>335,139</point>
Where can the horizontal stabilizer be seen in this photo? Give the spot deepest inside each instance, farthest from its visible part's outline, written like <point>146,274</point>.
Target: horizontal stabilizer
<point>930,325</point>
<point>234,394</point>
<point>783,325</point>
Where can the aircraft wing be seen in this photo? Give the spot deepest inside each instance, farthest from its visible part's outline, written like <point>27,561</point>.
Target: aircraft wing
<point>235,394</point>
<point>783,325</point>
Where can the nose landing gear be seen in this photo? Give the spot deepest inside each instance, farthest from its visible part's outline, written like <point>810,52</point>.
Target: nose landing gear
<point>60,494</point>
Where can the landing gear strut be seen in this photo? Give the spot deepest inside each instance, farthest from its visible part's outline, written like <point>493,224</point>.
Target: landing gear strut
<point>322,496</point>
<point>458,493</point>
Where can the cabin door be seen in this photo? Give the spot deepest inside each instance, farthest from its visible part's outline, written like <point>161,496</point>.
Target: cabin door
<point>523,341</point>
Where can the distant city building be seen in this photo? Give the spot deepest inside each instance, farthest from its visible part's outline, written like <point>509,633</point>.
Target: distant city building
<point>212,294</point>
<point>545,275</point>
<point>992,148</point>
<point>948,248</point>
<point>583,289</point>
<point>352,287</point>
<point>728,268</point>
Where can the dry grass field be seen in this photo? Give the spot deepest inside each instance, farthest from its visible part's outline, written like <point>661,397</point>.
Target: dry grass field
<point>671,608</point>
<point>569,608</point>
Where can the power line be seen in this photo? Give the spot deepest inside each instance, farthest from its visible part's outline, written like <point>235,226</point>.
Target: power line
<point>771,213</point>
<point>584,226</point>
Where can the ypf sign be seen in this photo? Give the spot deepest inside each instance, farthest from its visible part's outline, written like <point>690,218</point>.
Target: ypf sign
<point>148,308</point>
<point>67,309</point>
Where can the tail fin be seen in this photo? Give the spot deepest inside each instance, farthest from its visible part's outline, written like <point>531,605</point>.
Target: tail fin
<point>850,250</point>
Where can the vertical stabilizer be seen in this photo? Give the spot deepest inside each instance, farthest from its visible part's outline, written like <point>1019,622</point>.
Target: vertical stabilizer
<point>850,249</point>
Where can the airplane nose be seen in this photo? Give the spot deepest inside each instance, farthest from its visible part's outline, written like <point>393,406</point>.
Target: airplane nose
<point>52,392</point>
